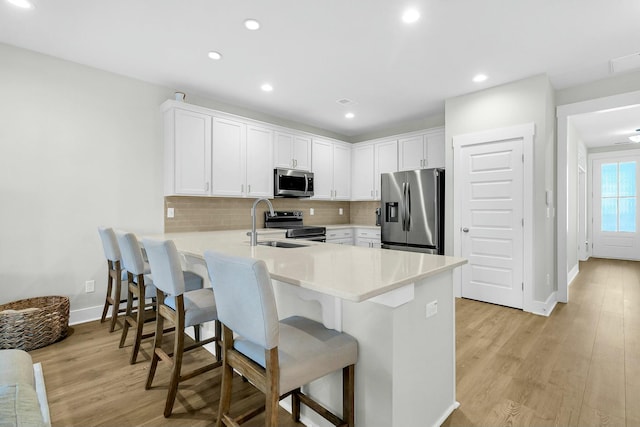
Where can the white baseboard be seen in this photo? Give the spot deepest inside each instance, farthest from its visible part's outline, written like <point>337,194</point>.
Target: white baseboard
<point>85,315</point>
<point>545,308</point>
<point>573,273</point>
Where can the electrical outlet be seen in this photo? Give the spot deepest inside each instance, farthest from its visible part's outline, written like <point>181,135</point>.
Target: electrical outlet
<point>432,308</point>
<point>170,213</point>
<point>340,211</point>
<point>312,211</point>
<point>90,286</point>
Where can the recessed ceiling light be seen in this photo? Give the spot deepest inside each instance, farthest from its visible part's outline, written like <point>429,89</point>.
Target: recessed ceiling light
<point>24,4</point>
<point>635,138</point>
<point>349,115</point>
<point>266,87</point>
<point>215,55</point>
<point>251,24</point>
<point>479,78</point>
<point>410,16</point>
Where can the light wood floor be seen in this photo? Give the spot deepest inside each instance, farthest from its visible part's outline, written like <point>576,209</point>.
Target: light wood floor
<point>90,383</point>
<point>579,367</point>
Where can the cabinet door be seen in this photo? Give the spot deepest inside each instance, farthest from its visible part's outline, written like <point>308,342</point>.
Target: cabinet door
<point>341,172</point>
<point>435,150</point>
<point>259,164</point>
<point>386,161</point>
<point>192,151</point>
<point>322,169</point>
<point>229,157</point>
<point>412,153</point>
<point>283,150</point>
<point>362,173</point>
<point>301,153</point>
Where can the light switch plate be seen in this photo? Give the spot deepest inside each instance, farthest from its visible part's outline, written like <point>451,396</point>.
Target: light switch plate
<point>432,308</point>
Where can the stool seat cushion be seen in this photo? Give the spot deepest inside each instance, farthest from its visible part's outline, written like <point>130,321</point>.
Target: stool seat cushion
<point>16,368</point>
<point>306,351</point>
<point>199,306</point>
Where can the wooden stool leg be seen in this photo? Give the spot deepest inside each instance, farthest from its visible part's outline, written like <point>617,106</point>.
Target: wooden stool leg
<point>127,313</point>
<point>295,405</point>
<point>105,310</point>
<point>115,308</point>
<point>196,332</point>
<point>348,395</point>
<point>178,350</point>
<point>272,395</point>
<point>227,378</point>
<point>140,317</point>
<point>157,344</point>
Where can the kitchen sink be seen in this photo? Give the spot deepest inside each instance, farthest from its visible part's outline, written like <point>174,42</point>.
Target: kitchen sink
<point>279,244</point>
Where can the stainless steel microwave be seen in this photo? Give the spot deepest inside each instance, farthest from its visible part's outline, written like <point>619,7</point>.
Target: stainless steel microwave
<point>292,183</point>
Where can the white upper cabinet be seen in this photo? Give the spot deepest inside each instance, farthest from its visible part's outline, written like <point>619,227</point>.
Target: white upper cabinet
<point>229,157</point>
<point>210,154</point>
<point>259,162</point>
<point>187,153</point>
<point>242,165</point>
<point>292,151</point>
<point>386,161</point>
<point>422,151</point>
<point>362,170</point>
<point>332,170</point>
<point>368,163</point>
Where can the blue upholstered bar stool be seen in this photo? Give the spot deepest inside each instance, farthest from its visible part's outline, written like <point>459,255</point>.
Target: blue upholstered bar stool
<point>181,307</point>
<point>115,293</point>
<point>140,287</point>
<point>278,357</point>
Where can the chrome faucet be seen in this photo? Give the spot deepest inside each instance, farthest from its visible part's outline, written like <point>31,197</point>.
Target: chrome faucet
<point>253,234</point>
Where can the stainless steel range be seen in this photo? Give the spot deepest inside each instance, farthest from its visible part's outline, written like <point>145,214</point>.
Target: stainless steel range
<point>292,222</point>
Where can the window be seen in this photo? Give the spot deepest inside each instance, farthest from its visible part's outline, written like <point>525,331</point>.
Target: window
<point>618,197</point>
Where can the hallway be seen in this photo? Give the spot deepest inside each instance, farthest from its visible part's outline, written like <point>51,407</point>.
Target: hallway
<point>578,367</point>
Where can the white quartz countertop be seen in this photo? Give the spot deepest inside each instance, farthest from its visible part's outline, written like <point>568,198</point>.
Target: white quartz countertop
<point>348,272</point>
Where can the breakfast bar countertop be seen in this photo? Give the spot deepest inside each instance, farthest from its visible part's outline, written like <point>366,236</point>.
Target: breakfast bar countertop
<point>347,272</point>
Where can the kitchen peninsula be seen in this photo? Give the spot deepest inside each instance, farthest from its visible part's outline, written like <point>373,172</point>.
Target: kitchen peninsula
<point>398,305</point>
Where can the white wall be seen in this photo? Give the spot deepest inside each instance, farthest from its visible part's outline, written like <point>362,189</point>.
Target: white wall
<point>524,101</point>
<point>79,148</point>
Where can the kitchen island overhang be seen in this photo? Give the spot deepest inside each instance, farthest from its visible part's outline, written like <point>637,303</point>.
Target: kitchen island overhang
<point>405,374</point>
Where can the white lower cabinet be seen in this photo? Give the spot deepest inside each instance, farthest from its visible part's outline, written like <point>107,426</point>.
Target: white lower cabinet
<point>368,238</point>
<point>341,236</point>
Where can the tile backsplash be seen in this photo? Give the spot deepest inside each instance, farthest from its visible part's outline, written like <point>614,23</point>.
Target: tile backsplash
<point>218,213</point>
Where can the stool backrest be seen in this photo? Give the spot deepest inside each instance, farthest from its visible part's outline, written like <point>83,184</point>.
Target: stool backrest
<point>110,244</point>
<point>165,265</point>
<point>244,297</point>
<point>131,253</point>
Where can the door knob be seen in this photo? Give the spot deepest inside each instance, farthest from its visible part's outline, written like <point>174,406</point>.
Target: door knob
<point>466,230</point>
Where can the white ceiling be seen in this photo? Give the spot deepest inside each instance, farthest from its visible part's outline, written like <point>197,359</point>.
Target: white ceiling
<point>609,127</point>
<point>315,52</point>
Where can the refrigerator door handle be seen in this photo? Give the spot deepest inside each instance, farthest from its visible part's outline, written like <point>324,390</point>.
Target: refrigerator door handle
<point>408,201</point>
<point>404,206</point>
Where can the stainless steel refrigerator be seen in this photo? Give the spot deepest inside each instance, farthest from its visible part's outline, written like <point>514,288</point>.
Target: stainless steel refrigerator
<point>413,211</point>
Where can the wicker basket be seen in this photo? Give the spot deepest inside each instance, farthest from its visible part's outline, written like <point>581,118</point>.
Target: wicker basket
<point>33,323</point>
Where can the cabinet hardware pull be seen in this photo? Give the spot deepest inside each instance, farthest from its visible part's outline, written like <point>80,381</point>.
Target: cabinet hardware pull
<point>248,188</point>
<point>206,187</point>
<point>242,188</point>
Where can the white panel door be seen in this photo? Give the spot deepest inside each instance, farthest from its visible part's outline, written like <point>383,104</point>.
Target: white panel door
<point>615,208</point>
<point>492,222</point>
<point>259,164</point>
